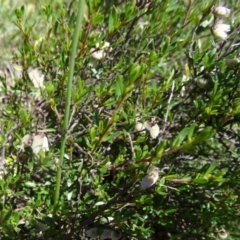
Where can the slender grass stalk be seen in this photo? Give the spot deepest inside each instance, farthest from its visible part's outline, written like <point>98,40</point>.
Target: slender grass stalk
<point>68,96</point>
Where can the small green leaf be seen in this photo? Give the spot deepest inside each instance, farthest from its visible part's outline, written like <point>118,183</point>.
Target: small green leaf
<point>135,72</point>
<point>50,88</point>
<point>87,142</point>
<point>25,117</point>
<point>162,181</point>
<point>111,136</point>
<point>97,18</point>
<point>196,104</point>
<point>180,138</point>
<point>8,215</point>
<point>211,168</point>
<point>92,133</point>
<point>109,102</point>
<point>191,130</point>
<point>160,148</point>
<point>119,86</point>
<point>221,180</point>
<point>215,87</point>
<point>200,180</point>
<point>30,184</point>
<point>113,21</point>
<point>205,134</point>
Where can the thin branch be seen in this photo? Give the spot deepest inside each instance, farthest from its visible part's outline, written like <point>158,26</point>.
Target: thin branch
<point>131,144</point>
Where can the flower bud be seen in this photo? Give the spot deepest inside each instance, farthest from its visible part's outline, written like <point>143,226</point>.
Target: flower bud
<point>201,83</point>
<point>233,63</point>
<point>26,141</point>
<point>150,179</point>
<point>220,30</point>
<point>139,126</point>
<point>154,131</point>
<point>221,11</point>
<point>222,234</point>
<point>40,142</point>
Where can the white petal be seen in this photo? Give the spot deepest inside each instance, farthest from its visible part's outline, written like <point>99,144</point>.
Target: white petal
<point>220,30</point>
<point>26,141</point>
<point>105,45</point>
<point>36,77</point>
<point>45,145</point>
<point>220,34</point>
<point>222,11</point>
<point>224,27</point>
<point>147,125</point>
<point>139,126</point>
<point>222,233</point>
<point>150,179</point>
<point>100,54</point>
<point>154,131</point>
<point>39,142</point>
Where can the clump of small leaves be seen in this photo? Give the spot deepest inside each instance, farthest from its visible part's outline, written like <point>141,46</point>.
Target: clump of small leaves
<point>148,147</point>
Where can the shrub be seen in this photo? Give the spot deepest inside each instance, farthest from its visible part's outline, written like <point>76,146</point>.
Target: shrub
<point>156,84</point>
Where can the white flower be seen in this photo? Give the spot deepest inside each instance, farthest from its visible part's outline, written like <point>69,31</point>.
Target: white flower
<point>36,142</point>
<point>37,77</point>
<point>100,54</point>
<point>222,233</point>
<point>221,11</point>
<point>142,24</point>
<point>26,141</point>
<point>154,131</point>
<point>233,63</point>
<point>220,30</point>
<point>40,142</point>
<point>139,127</point>
<point>150,178</point>
<point>147,125</point>
<point>185,79</point>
